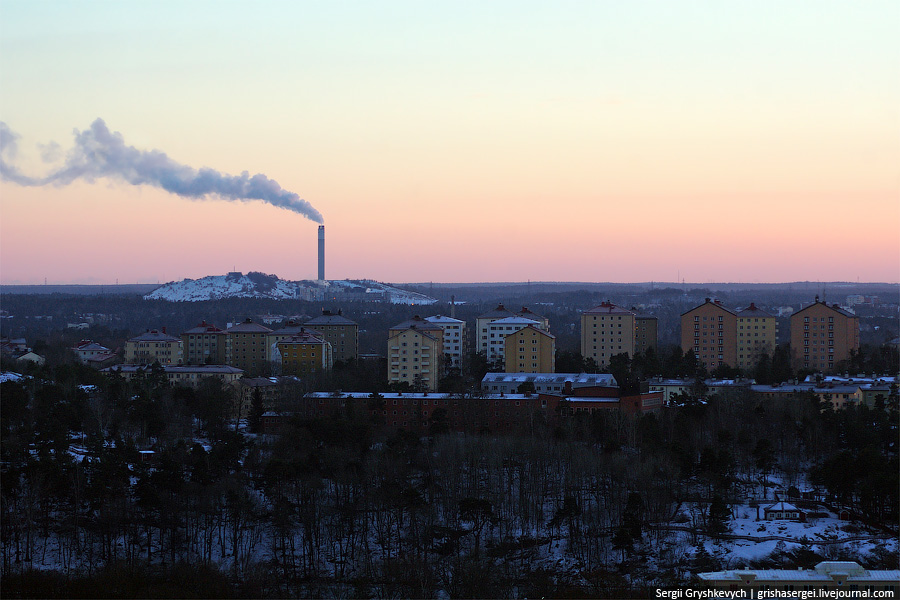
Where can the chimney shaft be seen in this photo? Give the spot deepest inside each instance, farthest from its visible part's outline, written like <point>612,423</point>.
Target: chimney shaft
<point>321,253</point>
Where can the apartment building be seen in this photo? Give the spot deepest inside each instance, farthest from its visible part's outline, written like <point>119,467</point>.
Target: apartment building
<point>756,331</point>
<point>709,332</point>
<point>416,353</point>
<point>290,329</point>
<point>304,353</point>
<point>154,346</point>
<point>607,330</point>
<point>339,331</point>
<point>823,336</point>
<point>204,345</point>
<point>483,332</point>
<point>454,338</point>
<point>497,332</point>
<point>246,347</point>
<point>184,375</point>
<point>530,350</point>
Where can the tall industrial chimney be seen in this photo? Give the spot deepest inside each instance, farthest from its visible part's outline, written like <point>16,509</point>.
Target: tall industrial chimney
<point>321,253</point>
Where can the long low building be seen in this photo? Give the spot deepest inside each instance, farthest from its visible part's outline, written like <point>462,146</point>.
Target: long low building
<point>544,383</point>
<point>496,413</point>
<point>189,375</point>
<point>846,576</point>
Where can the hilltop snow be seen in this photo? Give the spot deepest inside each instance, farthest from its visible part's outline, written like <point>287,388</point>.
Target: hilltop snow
<point>260,285</point>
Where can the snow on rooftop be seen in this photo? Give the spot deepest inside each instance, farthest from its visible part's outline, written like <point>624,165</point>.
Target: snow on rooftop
<point>10,376</point>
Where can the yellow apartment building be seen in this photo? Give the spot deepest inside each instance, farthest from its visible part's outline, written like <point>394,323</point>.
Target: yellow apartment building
<point>530,350</point>
<point>756,331</point>
<point>305,353</point>
<point>154,346</point>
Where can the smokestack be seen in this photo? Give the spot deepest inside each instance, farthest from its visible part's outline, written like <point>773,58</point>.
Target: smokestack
<point>321,253</point>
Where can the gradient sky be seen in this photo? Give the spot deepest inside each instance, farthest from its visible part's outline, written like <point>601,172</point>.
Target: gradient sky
<point>465,141</point>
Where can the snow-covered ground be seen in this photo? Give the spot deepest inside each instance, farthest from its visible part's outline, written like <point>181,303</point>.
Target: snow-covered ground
<point>823,535</point>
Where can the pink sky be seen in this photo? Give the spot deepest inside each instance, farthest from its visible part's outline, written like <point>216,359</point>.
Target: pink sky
<point>590,142</point>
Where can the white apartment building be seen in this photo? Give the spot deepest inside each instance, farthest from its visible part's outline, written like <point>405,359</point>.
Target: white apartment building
<point>454,337</point>
<point>499,329</point>
<point>483,331</point>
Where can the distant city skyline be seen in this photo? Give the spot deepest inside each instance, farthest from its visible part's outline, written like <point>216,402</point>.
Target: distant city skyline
<point>465,142</point>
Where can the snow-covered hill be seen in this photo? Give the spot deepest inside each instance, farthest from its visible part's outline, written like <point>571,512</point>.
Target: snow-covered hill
<point>233,285</point>
<point>260,285</point>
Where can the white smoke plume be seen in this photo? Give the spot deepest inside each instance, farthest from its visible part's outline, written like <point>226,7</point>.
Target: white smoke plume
<point>98,153</point>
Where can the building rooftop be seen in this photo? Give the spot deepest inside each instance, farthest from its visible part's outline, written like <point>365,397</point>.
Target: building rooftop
<point>832,307</point>
<point>203,327</point>
<point>498,313</point>
<point>824,572</point>
<point>210,369</point>
<point>308,336</point>
<point>89,346</point>
<point>515,321</point>
<point>592,379</point>
<point>249,326</point>
<point>329,318</point>
<point>537,329</point>
<point>710,301</point>
<point>419,323</point>
<point>443,319</point>
<point>154,336</point>
<point>753,311</point>
<point>608,308</point>
<point>294,328</point>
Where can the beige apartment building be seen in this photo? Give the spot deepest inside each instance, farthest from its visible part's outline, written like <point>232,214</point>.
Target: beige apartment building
<point>823,336</point>
<point>756,331</point>
<point>416,353</point>
<point>154,346</point>
<point>204,345</point>
<point>246,347</point>
<point>709,331</point>
<point>341,332</point>
<point>530,350</point>
<point>607,330</point>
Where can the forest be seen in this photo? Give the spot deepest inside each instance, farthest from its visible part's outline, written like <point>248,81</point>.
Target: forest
<point>599,505</point>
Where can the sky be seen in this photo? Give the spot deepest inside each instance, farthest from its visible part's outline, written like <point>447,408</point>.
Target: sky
<point>704,141</point>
